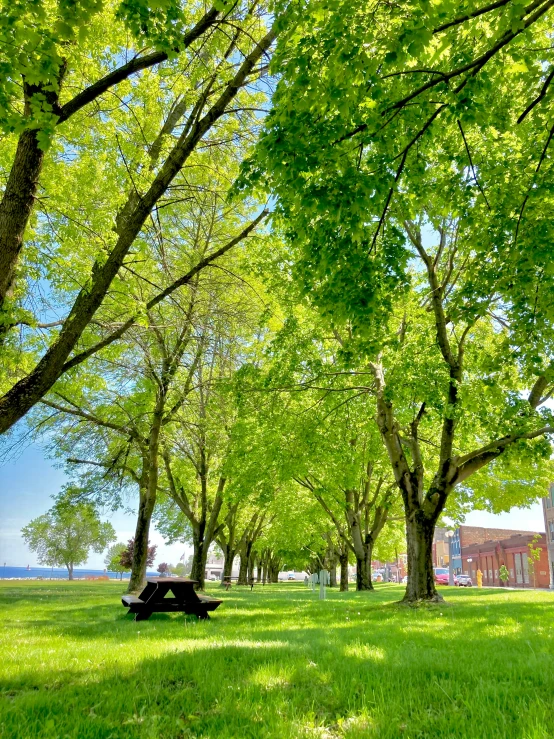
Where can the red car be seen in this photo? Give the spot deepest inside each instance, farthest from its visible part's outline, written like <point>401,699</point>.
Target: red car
<point>442,576</point>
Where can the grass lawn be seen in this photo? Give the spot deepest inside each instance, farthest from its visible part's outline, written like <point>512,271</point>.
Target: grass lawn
<point>276,663</point>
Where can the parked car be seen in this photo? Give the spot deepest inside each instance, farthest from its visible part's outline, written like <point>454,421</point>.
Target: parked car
<point>291,576</point>
<point>442,576</point>
<point>464,581</point>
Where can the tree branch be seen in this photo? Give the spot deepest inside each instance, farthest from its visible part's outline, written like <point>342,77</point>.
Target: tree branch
<point>181,282</point>
<point>89,94</point>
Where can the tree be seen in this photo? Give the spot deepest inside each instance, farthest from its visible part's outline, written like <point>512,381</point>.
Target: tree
<point>211,95</point>
<point>470,391</point>
<point>127,555</point>
<point>405,236</point>
<point>365,101</point>
<point>179,569</point>
<point>311,429</point>
<point>534,556</point>
<point>113,559</point>
<point>197,453</point>
<point>164,569</point>
<point>66,534</point>
<point>162,351</point>
<point>345,470</point>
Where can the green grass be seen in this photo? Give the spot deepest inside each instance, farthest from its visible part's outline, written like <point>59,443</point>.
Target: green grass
<point>276,663</point>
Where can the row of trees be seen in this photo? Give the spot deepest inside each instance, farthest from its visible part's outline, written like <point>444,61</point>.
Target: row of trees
<point>381,357</point>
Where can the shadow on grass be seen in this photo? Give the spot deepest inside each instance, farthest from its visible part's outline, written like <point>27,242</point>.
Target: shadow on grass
<point>280,683</point>
<point>283,664</point>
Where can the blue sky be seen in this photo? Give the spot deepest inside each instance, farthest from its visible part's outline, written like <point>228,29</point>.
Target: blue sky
<point>28,482</point>
<point>26,486</point>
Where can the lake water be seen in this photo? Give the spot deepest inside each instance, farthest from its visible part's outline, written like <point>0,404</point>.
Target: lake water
<point>59,573</point>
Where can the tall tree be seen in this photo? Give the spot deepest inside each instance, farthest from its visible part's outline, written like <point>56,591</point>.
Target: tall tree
<point>453,396</point>
<point>403,133</point>
<point>134,390</point>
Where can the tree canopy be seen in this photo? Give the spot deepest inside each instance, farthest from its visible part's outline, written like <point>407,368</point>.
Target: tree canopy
<point>281,275</point>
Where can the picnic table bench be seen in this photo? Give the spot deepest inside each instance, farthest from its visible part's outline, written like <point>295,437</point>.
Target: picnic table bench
<point>227,582</point>
<point>185,598</point>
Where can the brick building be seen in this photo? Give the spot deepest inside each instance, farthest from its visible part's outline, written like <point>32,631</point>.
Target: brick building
<point>440,548</point>
<point>513,552</point>
<point>464,536</point>
<point>548,510</point>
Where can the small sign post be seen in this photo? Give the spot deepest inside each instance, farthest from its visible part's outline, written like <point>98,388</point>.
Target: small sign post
<point>323,575</point>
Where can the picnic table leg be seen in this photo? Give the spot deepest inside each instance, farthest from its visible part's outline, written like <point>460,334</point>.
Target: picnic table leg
<point>143,615</point>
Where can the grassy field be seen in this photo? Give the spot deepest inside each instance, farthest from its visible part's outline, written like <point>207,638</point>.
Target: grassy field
<point>276,663</point>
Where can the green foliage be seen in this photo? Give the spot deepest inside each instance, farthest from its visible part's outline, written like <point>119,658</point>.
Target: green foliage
<point>113,558</point>
<point>179,569</point>
<point>66,534</point>
<point>378,114</point>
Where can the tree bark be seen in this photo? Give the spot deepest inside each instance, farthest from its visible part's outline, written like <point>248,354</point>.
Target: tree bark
<point>70,571</point>
<point>363,569</point>
<point>19,196</point>
<point>333,574</point>
<point>243,569</point>
<point>343,559</point>
<point>229,557</point>
<point>147,497</point>
<point>142,531</point>
<point>421,577</point>
<point>274,564</point>
<point>251,566</point>
<point>16,207</point>
<point>264,569</point>
<point>200,555</point>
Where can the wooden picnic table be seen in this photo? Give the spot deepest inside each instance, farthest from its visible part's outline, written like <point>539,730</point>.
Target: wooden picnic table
<point>153,598</point>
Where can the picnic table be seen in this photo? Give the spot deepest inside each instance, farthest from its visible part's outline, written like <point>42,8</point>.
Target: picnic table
<point>185,598</point>
<point>227,582</point>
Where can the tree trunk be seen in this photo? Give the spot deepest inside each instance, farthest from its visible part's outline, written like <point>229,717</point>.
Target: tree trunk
<point>333,574</point>
<point>274,565</point>
<point>148,493</point>
<point>251,566</point>
<point>343,559</point>
<point>19,194</point>
<point>243,569</point>
<point>229,556</point>
<point>16,206</point>
<point>421,578</point>
<point>140,551</point>
<point>363,569</point>
<point>264,569</point>
<point>70,571</point>
<point>259,569</point>
<point>198,570</point>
